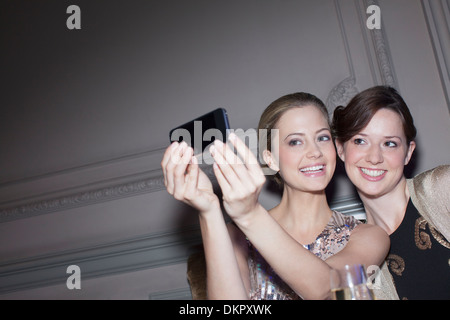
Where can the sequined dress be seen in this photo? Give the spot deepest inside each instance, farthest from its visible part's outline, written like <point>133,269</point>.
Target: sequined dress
<point>267,285</point>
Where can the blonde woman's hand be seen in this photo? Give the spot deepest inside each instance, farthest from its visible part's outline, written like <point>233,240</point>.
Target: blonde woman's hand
<point>241,181</point>
<point>185,180</point>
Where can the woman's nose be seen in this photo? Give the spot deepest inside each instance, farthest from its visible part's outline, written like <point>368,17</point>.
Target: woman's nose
<point>314,151</point>
<point>374,155</point>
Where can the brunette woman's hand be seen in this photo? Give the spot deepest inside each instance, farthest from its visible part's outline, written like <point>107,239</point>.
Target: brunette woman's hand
<point>241,181</point>
<point>185,180</point>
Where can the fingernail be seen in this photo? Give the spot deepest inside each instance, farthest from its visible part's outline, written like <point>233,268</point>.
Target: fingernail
<point>218,143</point>
<point>212,150</point>
<point>232,136</point>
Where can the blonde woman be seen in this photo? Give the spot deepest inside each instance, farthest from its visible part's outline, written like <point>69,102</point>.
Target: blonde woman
<point>286,252</point>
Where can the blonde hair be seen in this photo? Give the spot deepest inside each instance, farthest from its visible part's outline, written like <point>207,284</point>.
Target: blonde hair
<point>275,111</point>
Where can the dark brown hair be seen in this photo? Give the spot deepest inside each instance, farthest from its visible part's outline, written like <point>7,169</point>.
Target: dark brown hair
<point>275,111</point>
<point>349,121</point>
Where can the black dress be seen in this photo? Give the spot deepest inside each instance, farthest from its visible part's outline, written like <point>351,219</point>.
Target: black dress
<point>419,259</point>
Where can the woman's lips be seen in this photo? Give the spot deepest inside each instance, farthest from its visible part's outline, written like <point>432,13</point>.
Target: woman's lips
<point>372,174</point>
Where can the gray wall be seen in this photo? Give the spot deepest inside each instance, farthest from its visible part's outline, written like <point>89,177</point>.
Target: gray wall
<point>86,115</point>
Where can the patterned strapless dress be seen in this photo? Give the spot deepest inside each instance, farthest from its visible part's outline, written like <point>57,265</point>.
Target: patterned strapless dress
<point>267,285</point>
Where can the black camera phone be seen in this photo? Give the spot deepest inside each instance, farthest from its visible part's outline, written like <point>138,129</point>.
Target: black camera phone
<point>202,131</point>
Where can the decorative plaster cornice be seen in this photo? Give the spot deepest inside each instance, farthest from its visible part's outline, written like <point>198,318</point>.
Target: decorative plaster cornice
<point>82,198</point>
<point>437,15</point>
<point>142,252</point>
<point>346,89</point>
<point>342,93</point>
<point>383,54</point>
<point>151,251</point>
<point>91,196</point>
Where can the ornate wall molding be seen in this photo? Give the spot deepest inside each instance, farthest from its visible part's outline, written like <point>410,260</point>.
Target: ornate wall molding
<point>89,197</point>
<point>342,93</point>
<point>92,193</point>
<point>155,250</point>
<point>346,89</point>
<point>378,52</point>
<point>383,55</point>
<point>143,252</point>
<point>437,15</point>
<point>95,186</point>
<point>85,185</point>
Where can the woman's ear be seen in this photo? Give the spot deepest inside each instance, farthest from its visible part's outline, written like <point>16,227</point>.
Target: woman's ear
<point>409,153</point>
<point>340,149</point>
<point>270,161</point>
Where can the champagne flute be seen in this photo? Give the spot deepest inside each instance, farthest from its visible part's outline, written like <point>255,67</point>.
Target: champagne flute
<point>350,283</point>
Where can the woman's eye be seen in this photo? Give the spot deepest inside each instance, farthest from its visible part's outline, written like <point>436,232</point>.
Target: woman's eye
<point>390,144</point>
<point>325,138</point>
<point>359,141</point>
<point>295,142</point>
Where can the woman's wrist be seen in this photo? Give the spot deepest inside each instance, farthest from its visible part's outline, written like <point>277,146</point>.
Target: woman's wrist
<point>246,221</point>
<point>214,209</point>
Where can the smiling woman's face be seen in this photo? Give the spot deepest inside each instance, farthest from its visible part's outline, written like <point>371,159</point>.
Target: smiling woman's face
<point>375,157</point>
<point>306,156</point>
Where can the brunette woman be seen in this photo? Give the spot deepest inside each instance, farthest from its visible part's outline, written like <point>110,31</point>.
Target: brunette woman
<point>375,136</point>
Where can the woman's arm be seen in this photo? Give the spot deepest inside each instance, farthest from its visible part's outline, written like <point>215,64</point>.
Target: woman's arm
<point>367,245</point>
<point>187,183</point>
<point>224,258</point>
<point>306,274</point>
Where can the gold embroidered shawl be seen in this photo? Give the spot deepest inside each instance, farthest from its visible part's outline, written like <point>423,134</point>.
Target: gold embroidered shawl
<point>430,194</point>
